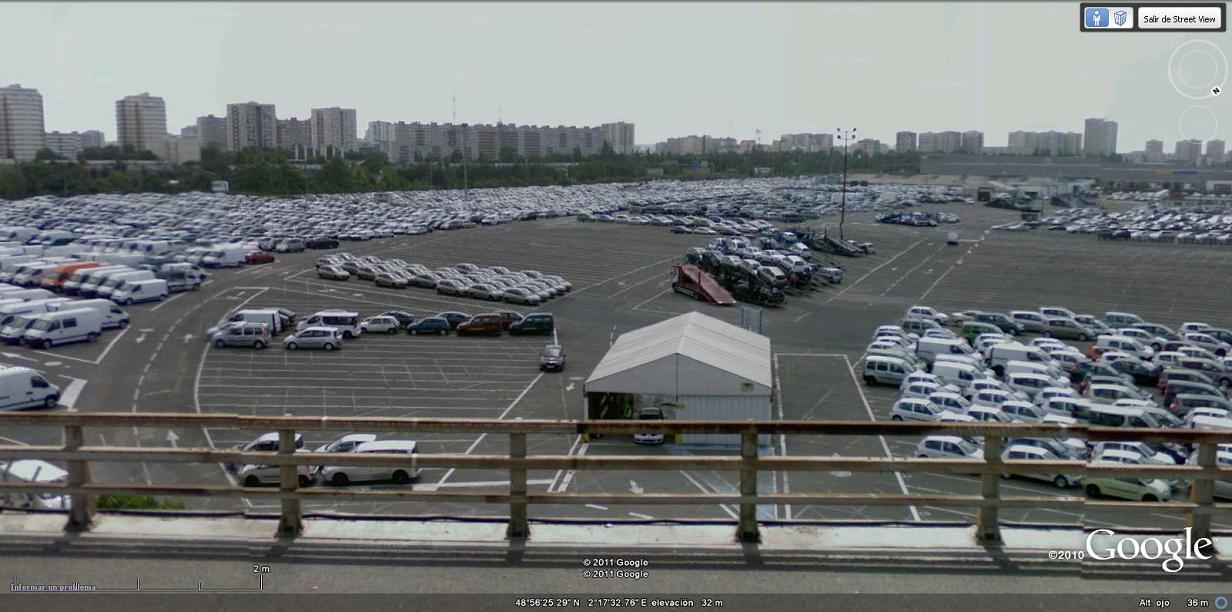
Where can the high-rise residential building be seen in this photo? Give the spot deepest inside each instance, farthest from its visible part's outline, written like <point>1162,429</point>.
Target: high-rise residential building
<point>1100,137</point>
<point>21,123</point>
<point>1188,151</point>
<point>971,141</point>
<point>1154,151</point>
<point>295,135</point>
<point>418,141</point>
<point>927,143</point>
<point>62,144</point>
<point>619,136</point>
<point>250,124</point>
<point>809,143</point>
<point>141,122</point>
<point>189,131</point>
<point>380,131</point>
<point>212,132</point>
<point>333,131</point>
<point>1044,143</point>
<point>905,141</point>
<point>93,139</point>
<point>949,142</point>
<point>1215,151</point>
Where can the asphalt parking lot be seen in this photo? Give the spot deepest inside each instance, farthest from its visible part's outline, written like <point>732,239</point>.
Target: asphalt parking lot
<point>619,273</point>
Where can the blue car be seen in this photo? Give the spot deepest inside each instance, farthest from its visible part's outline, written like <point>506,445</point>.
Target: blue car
<point>429,325</point>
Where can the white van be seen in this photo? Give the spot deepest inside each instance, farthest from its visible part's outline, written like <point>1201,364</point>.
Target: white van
<point>1001,354</point>
<point>89,286</point>
<point>929,348</point>
<point>347,323</point>
<point>27,294</point>
<point>1122,416</point>
<point>960,375</point>
<point>111,315</point>
<point>1133,346</point>
<point>10,311</point>
<point>117,281</point>
<point>32,274</point>
<point>74,282</point>
<point>24,388</point>
<point>886,370</point>
<point>64,327</point>
<point>227,256</point>
<point>971,360</point>
<point>1028,383</point>
<point>145,290</point>
<point>270,317</point>
<point>1033,367</point>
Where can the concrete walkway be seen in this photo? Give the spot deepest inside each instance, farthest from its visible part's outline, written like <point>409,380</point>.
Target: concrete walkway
<point>634,560</point>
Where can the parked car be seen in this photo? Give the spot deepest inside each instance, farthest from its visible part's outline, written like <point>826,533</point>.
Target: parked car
<point>402,473</point>
<point>326,338</point>
<point>380,325</point>
<point>258,257</point>
<point>534,324</point>
<point>490,324</point>
<point>429,325</point>
<point>454,317</point>
<point>255,335</point>
<point>333,273</point>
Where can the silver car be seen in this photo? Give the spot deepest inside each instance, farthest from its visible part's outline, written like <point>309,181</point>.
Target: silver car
<point>452,286</point>
<point>326,338</point>
<point>256,335</point>
<point>521,296</point>
<point>485,291</point>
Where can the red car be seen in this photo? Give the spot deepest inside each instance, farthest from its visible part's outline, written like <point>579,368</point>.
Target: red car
<point>258,257</point>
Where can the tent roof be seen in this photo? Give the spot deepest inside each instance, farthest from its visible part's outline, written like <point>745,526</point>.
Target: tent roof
<point>707,340</point>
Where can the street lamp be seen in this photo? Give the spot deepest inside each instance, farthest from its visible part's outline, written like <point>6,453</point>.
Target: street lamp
<point>845,136</point>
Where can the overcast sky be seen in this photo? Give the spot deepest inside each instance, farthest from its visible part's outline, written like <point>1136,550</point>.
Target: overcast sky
<point>673,69</point>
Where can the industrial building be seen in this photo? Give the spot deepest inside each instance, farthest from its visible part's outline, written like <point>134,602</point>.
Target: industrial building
<point>703,368</point>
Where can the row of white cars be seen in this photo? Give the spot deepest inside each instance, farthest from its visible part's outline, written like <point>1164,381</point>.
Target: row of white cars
<point>493,283</point>
<point>996,378</point>
<point>253,475</point>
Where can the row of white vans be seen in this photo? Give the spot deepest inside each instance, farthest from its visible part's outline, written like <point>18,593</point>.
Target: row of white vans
<point>43,323</point>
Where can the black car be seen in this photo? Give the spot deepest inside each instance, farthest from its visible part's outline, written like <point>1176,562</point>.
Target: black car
<point>322,242</point>
<point>533,323</point>
<point>404,318</point>
<point>454,317</point>
<point>429,325</point>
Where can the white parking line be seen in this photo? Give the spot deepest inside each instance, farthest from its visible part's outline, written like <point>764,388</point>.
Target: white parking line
<point>651,299</point>
<point>103,355</point>
<point>703,489</point>
<point>72,392</point>
<point>168,301</point>
<point>473,445</point>
<point>870,272</point>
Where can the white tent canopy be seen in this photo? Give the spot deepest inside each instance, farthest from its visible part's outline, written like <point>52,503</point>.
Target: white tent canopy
<point>688,355</point>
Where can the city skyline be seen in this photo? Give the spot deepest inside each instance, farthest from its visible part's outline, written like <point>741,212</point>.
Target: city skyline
<point>781,79</point>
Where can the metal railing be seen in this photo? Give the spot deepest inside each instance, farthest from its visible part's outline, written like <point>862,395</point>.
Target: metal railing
<point>1198,508</point>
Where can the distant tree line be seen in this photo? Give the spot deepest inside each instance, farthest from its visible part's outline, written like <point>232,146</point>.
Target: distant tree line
<point>273,172</point>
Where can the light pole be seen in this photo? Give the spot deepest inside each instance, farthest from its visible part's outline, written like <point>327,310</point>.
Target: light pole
<point>846,136</point>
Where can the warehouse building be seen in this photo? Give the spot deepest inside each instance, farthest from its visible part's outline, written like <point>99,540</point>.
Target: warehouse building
<point>699,367</point>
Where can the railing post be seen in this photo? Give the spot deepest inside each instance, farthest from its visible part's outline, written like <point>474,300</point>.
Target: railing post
<point>292,520</point>
<point>81,506</point>
<point>747,529</point>
<point>519,527</point>
<point>1198,520</point>
<point>986,527</point>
